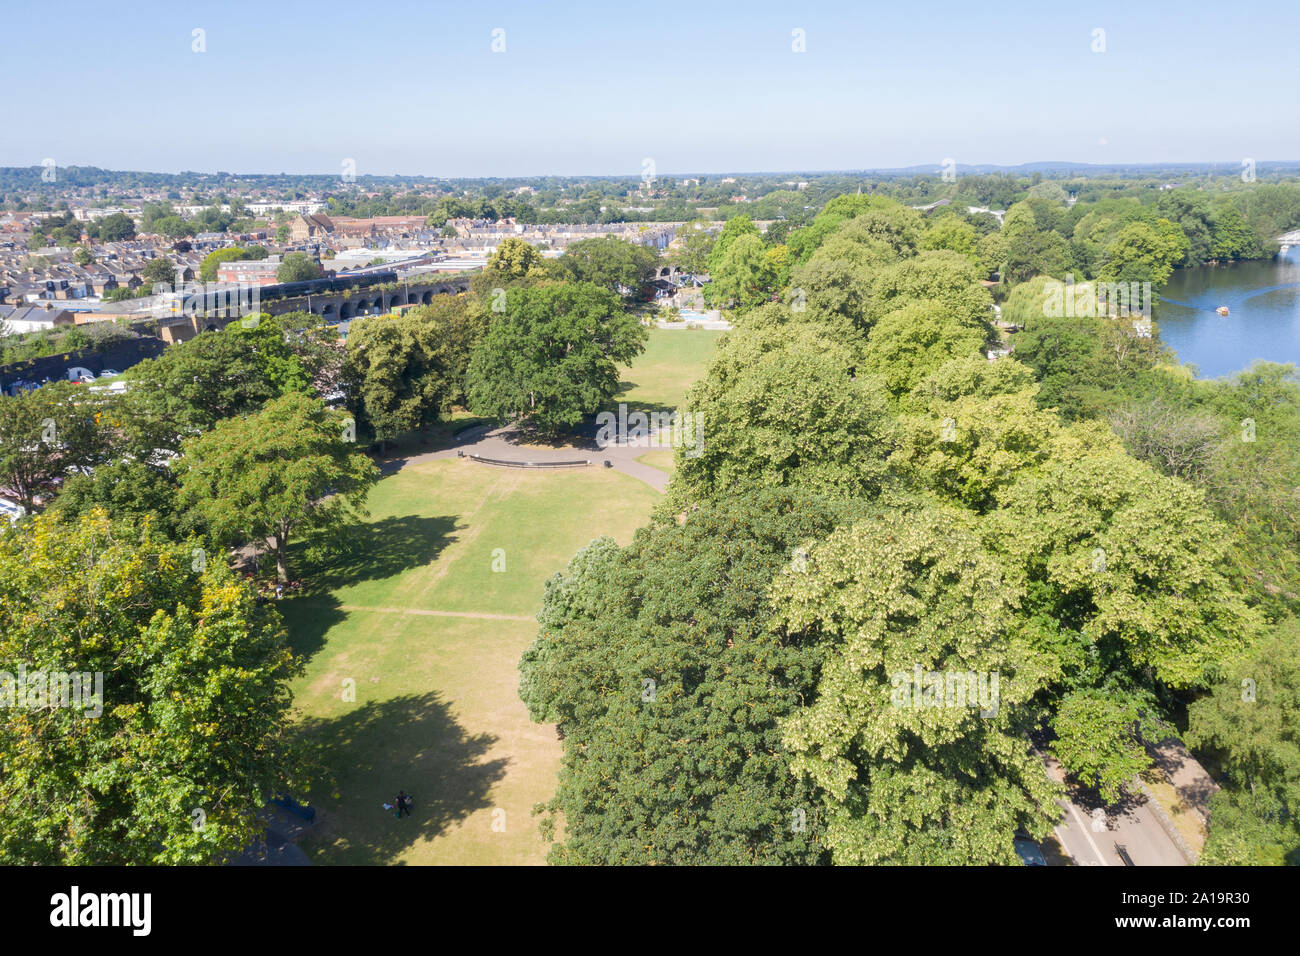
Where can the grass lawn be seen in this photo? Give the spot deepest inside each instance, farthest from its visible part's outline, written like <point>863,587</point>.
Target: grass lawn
<point>437,711</point>
<point>429,635</point>
<point>673,359</point>
<point>661,458</point>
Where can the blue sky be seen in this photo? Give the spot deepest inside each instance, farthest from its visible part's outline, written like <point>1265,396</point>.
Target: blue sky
<point>595,88</point>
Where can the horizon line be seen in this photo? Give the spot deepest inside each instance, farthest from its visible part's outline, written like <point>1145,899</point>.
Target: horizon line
<point>860,171</point>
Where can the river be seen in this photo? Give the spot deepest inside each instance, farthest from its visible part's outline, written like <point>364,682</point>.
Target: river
<point>1263,320</point>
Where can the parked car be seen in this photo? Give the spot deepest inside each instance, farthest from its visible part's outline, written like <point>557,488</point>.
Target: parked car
<point>1030,853</point>
<point>11,510</point>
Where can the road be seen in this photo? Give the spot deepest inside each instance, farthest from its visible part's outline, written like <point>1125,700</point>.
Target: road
<point>1090,833</point>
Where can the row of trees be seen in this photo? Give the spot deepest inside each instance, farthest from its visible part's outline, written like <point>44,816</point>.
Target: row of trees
<point>876,500</point>
<point>122,574</point>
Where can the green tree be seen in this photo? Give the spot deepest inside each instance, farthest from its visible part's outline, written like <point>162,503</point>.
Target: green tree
<point>950,232</point>
<point>908,344</point>
<point>160,270</point>
<point>398,373</point>
<point>552,357</point>
<point>743,275</point>
<point>922,758</point>
<point>212,261</point>
<point>194,697</point>
<point>732,230</point>
<point>46,434</point>
<point>127,490</point>
<point>1032,247</point>
<point>298,350</point>
<point>195,384</point>
<point>1144,253</point>
<point>1097,741</point>
<point>781,407</point>
<point>693,771</point>
<point>297,267</point>
<point>1157,607</point>
<point>976,427</point>
<point>276,473</point>
<point>1250,723</point>
<point>615,264</point>
<point>697,241</point>
<point>116,227</point>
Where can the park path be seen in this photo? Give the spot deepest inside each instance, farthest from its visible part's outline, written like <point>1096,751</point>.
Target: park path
<point>480,615</point>
<point>503,443</point>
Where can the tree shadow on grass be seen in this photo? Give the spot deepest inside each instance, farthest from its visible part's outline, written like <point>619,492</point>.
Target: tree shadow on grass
<point>308,619</point>
<point>379,549</point>
<point>410,743</point>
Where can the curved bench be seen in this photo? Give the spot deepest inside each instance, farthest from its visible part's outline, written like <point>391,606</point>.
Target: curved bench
<point>581,463</point>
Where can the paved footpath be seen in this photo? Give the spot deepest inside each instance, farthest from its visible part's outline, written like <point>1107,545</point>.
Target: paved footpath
<point>503,443</point>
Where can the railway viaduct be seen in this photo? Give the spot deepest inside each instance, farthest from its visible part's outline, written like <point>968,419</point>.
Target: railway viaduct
<point>333,307</point>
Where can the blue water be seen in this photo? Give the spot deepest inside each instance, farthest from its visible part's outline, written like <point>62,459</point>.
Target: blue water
<point>1263,322</point>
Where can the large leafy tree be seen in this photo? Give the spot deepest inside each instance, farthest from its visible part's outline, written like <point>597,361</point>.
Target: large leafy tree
<point>908,344</point>
<point>696,240</point>
<point>212,261</point>
<point>275,473</point>
<point>127,488</point>
<point>1033,247</point>
<point>732,230</point>
<point>940,275</point>
<point>1157,607</point>
<point>782,406</point>
<point>659,665</point>
<point>195,384</point>
<point>976,427</point>
<point>1097,739</point>
<point>298,350</point>
<point>297,267</point>
<point>913,776</point>
<point>398,374</point>
<point>1142,252</point>
<point>837,280</point>
<point>1250,721</point>
<point>552,357</point>
<point>745,273</point>
<point>191,741</point>
<point>514,262</point>
<point>460,321</point>
<point>886,220</point>
<point>47,434</point>
<point>613,263</point>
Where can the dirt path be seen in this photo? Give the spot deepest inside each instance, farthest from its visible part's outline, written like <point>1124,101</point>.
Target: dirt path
<point>481,615</point>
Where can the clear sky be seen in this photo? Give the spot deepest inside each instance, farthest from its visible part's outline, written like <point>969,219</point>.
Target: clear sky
<point>596,88</point>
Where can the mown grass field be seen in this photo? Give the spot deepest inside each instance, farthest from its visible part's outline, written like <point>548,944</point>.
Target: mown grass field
<point>429,635</point>
<point>673,359</point>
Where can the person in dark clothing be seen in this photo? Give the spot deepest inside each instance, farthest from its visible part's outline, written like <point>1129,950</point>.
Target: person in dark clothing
<point>403,803</point>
